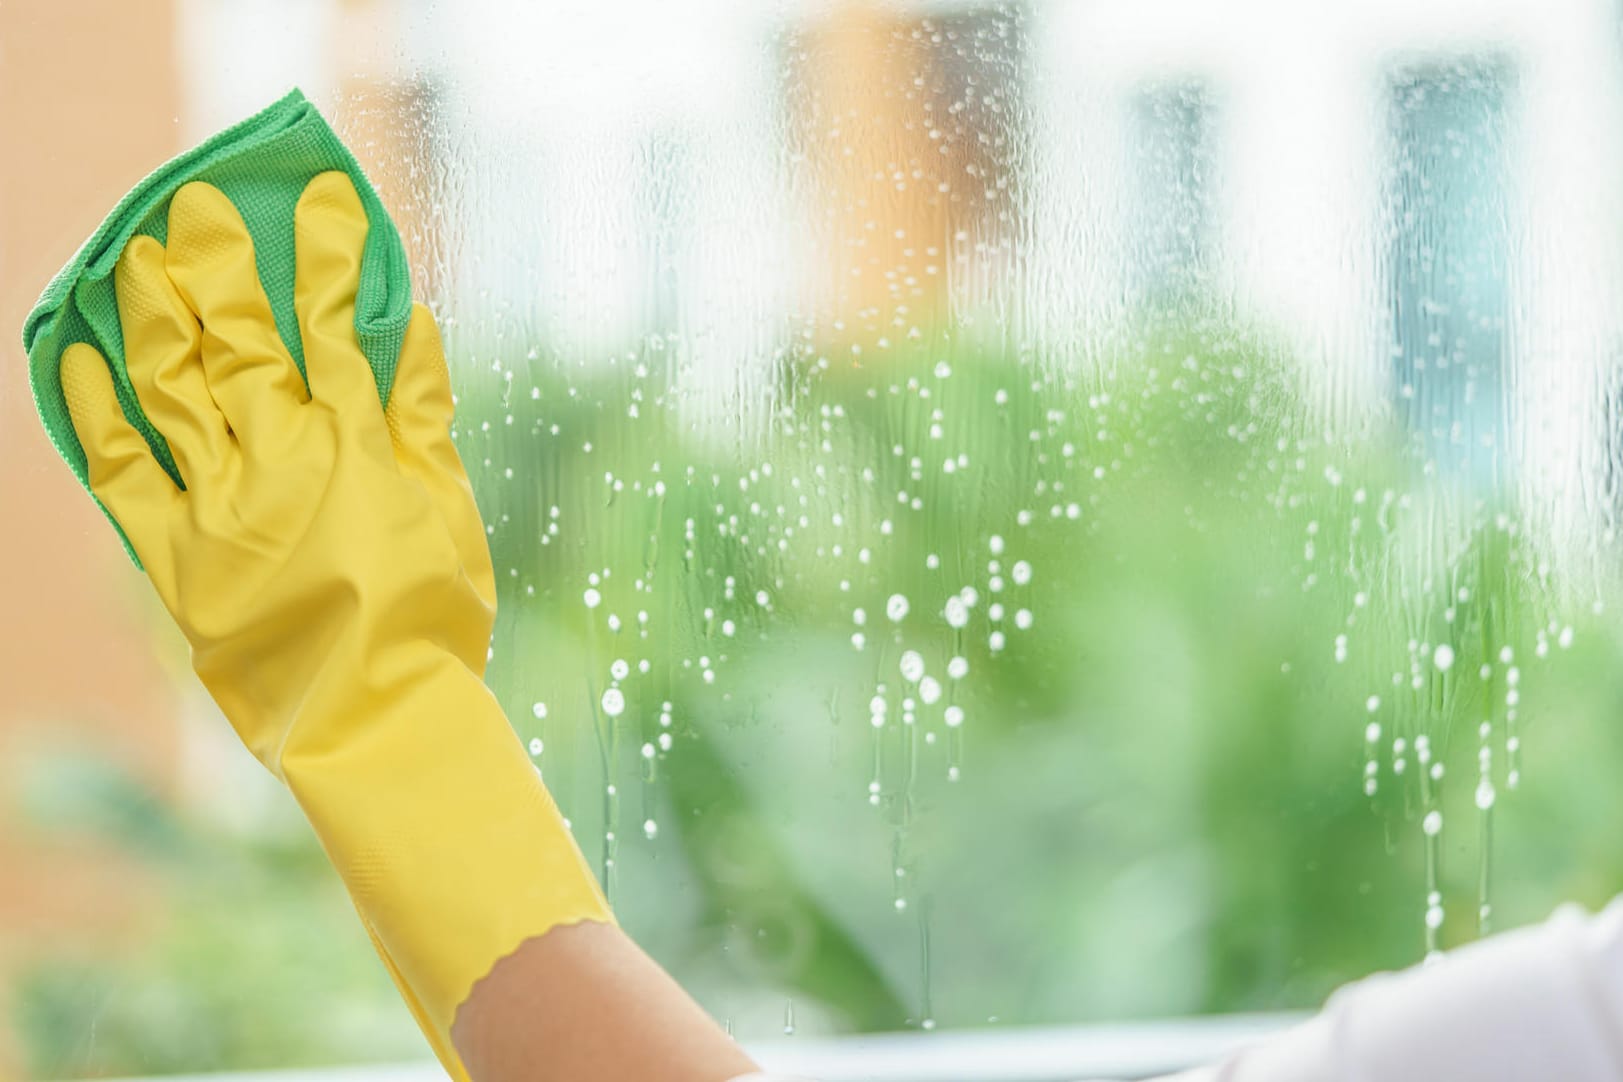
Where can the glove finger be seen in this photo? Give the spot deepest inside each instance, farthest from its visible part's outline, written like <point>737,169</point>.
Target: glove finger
<point>419,416</point>
<point>329,231</point>
<point>163,355</point>
<point>123,474</point>
<point>210,259</point>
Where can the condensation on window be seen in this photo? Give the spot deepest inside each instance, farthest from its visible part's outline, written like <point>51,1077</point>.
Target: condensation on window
<point>1039,513</point>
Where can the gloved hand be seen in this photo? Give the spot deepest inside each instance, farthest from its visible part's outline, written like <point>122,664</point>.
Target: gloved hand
<point>327,563</point>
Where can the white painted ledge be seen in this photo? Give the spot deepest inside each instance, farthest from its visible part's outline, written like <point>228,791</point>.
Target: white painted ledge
<point>1012,1054</point>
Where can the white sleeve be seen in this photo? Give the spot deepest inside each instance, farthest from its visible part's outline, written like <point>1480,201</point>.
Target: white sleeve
<point>1539,1003</point>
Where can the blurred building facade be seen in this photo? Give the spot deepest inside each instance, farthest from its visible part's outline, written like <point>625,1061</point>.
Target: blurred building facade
<point>1418,202</point>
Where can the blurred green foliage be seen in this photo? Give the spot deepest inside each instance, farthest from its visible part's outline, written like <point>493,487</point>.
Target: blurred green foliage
<point>255,959</point>
<point>1159,807</point>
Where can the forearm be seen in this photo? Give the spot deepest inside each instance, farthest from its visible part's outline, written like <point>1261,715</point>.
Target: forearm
<point>584,1004</point>
<point>1539,1003</point>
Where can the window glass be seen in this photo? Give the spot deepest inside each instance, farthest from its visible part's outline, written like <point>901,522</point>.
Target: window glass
<point>1005,514</point>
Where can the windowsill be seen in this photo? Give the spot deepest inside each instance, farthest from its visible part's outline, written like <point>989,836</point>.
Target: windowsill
<point>1013,1054</point>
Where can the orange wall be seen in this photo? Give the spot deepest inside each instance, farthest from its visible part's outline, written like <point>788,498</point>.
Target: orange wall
<point>88,101</point>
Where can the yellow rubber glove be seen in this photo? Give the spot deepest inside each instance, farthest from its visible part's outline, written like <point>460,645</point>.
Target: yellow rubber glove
<point>328,565</point>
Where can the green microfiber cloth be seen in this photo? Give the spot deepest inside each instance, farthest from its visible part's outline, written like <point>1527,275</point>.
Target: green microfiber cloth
<point>262,165</point>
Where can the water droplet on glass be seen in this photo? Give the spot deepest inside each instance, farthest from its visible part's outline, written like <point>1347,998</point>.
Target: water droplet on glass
<point>929,690</point>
